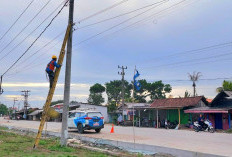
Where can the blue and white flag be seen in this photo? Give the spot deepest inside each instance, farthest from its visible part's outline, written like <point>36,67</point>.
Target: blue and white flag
<point>136,82</point>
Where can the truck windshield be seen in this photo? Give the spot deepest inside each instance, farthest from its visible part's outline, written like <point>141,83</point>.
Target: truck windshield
<point>94,114</point>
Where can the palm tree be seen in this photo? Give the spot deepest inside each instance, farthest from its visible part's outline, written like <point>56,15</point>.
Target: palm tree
<point>194,78</point>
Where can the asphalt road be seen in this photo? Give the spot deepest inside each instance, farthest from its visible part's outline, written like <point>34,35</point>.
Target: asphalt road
<point>212,143</point>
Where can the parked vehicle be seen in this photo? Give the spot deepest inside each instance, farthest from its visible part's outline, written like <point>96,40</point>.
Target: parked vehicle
<point>170,125</point>
<point>86,120</point>
<point>205,126</point>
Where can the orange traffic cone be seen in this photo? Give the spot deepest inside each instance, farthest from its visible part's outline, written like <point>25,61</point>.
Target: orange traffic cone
<point>112,129</point>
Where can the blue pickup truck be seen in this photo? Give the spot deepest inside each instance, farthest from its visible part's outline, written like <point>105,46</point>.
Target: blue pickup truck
<point>86,120</point>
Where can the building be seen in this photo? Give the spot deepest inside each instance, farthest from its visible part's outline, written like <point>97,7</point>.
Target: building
<point>218,112</point>
<point>35,115</point>
<point>172,109</point>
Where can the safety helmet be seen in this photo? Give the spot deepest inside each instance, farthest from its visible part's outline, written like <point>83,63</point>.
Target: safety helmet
<point>54,57</point>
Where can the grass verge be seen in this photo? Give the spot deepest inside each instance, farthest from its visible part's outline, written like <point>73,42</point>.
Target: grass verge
<point>16,145</point>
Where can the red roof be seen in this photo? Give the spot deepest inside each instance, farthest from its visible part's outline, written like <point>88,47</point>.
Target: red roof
<point>176,102</point>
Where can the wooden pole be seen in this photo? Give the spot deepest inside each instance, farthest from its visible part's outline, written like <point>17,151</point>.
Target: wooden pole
<point>179,115</point>
<point>157,118</point>
<point>52,90</point>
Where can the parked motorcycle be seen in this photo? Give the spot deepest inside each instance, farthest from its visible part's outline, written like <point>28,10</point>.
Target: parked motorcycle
<point>205,126</point>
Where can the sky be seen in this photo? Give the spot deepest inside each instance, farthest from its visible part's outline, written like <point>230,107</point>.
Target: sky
<point>159,40</point>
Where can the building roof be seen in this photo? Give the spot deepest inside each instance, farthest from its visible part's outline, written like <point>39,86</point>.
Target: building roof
<point>177,102</point>
<point>35,112</point>
<point>206,110</point>
<point>222,100</point>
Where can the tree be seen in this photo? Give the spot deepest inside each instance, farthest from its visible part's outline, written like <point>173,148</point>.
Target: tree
<point>194,78</point>
<point>226,86</point>
<point>186,94</point>
<point>3,109</point>
<point>151,91</point>
<point>158,90</point>
<point>114,90</point>
<point>95,96</point>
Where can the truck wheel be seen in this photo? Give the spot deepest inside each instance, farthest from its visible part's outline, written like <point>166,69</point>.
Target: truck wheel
<point>97,130</point>
<point>80,128</point>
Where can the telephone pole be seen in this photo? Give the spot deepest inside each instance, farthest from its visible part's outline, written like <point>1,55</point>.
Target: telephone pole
<point>25,94</point>
<point>123,88</point>
<point>64,129</point>
<point>15,99</point>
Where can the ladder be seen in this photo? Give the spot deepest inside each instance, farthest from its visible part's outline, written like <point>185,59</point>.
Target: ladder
<point>51,91</point>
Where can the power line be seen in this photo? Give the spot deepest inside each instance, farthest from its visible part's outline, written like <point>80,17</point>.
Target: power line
<point>187,61</point>
<point>102,11</point>
<point>35,39</point>
<point>17,19</point>
<point>25,26</point>
<point>118,24</point>
<point>108,19</point>
<point>32,31</point>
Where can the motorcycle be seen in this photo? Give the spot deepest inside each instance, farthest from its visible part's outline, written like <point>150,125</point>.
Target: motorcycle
<point>205,126</point>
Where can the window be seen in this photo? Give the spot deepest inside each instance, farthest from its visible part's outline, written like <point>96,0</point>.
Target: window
<point>82,114</point>
<point>72,114</point>
<point>94,114</point>
<point>77,114</point>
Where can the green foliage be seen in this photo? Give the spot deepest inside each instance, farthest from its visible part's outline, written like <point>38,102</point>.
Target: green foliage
<point>97,88</point>
<point>114,90</point>
<point>95,96</point>
<point>3,109</point>
<point>226,86</point>
<point>111,107</point>
<point>154,90</point>
<point>60,148</point>
<point>21,145</point>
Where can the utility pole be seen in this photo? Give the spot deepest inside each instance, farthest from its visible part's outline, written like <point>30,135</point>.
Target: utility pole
<point>1,90</point>
<point>123,88</point>
<point>15,99</point>
<point>64,129</point>
<point>25,94</point>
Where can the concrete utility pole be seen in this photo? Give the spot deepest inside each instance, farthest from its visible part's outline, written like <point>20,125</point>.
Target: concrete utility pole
<point>15,99</point>
<point>25,94</point>
<point>123,87</point>
<point>64,129</point>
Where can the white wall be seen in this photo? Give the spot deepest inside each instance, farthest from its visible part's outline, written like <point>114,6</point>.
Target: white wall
<point>101,109</point>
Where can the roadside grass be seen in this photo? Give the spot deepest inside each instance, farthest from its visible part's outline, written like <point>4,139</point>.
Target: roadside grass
<point>229,131</point>
<point>15,145</point>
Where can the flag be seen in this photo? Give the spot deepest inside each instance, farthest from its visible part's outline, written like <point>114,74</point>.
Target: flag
<point>136,82</point>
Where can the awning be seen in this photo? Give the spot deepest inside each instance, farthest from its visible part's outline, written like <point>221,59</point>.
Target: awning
<point>207,110</point>
<point>35,112</point>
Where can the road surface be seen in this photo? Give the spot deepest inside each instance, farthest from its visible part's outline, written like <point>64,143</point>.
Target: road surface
<point>204,142</point>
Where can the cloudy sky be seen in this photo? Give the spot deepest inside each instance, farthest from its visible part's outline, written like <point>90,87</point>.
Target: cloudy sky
<point>166,41</point>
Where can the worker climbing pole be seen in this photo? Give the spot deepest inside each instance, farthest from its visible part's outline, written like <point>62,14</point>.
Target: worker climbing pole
<point>52,89</point>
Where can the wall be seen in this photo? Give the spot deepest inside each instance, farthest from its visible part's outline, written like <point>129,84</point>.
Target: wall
<point>102,109</point>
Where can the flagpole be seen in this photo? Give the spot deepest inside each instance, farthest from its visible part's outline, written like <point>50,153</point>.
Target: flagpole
<point>133,100</point>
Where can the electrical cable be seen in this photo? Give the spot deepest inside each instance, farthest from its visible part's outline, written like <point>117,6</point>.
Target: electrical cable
<point>35,39</point>
<point>108,19</point>
<point>118,24</point>
<point>25,26</point>
<point>102,11</point>
<point>17,19</point>
<point>32,31</point>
